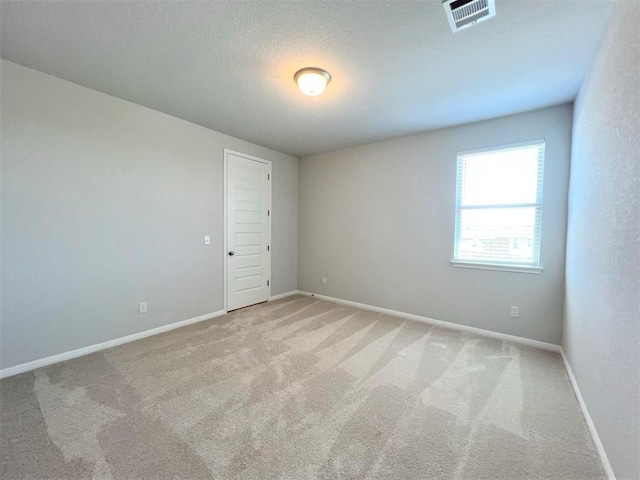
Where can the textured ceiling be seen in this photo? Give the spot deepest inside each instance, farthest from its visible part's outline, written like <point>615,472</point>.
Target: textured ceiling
<point>397,68</point>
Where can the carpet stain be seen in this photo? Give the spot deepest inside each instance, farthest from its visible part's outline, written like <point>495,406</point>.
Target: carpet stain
<point>73,421</point>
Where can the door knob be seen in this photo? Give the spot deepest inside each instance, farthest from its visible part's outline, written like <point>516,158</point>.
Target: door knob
<point>232,253</point>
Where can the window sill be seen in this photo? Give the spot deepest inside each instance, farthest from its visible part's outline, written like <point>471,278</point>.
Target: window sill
<point>498,267</point>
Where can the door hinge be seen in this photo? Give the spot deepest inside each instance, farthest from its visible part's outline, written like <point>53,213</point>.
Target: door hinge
<point>267,283</point>
<point>268,176</point>
<point>268,213</point>
<point>268,247</point>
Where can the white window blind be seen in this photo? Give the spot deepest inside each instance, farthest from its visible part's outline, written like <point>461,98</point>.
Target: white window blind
<point>499,205</point>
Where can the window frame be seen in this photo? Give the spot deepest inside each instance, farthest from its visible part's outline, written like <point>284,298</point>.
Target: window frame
<point>534,267</point>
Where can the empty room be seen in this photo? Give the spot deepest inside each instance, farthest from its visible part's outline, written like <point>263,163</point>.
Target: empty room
<point>309,239</point>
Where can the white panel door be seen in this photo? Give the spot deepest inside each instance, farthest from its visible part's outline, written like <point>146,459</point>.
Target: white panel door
<point>248,231</point>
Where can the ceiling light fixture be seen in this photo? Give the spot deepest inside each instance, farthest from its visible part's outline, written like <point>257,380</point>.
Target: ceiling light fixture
<point>312,81</point>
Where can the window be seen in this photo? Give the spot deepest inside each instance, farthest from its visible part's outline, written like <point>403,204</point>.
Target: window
<point>499,208</point>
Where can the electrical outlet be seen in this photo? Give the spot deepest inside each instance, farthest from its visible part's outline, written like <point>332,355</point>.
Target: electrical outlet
<point>324,280</point>
<point>207,239</point>
<point>142,308</point>
<point>515,312</point>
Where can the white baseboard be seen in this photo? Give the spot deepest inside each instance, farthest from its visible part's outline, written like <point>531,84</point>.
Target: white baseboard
<point>61,357</point>
<point>42,362</point>
<point>592,428</point>
<point>441,323</point>
<point>284,295</point>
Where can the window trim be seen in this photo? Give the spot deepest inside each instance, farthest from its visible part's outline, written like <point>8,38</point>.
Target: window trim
<point>500,267</point>
<point>535,267</point>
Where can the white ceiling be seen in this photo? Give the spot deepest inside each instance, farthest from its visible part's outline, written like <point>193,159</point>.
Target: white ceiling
<point>397,68</point>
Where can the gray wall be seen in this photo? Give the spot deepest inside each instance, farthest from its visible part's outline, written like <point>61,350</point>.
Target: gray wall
<point>602,322</point>
<point>378,222</point>
<point>105,204</point>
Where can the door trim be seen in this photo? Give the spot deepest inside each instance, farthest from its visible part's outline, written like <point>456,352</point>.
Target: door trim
<point>225,282</point>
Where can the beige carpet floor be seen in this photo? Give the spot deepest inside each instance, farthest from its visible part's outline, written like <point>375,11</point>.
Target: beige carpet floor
<point>299,389</point>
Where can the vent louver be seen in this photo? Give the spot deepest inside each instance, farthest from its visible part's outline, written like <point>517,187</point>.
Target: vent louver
<point>464,13</point>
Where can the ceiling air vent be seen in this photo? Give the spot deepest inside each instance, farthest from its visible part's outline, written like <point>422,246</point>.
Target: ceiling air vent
<point>464,13</point>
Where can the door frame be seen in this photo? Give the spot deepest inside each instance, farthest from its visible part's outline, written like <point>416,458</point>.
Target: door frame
<point>225,282</point>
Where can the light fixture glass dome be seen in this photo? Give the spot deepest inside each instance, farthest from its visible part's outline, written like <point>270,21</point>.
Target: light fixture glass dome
<point>312,81</point>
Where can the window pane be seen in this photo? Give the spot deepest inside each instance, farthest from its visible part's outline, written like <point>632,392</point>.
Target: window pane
<point>498,234</point>
<point>493,178</point>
